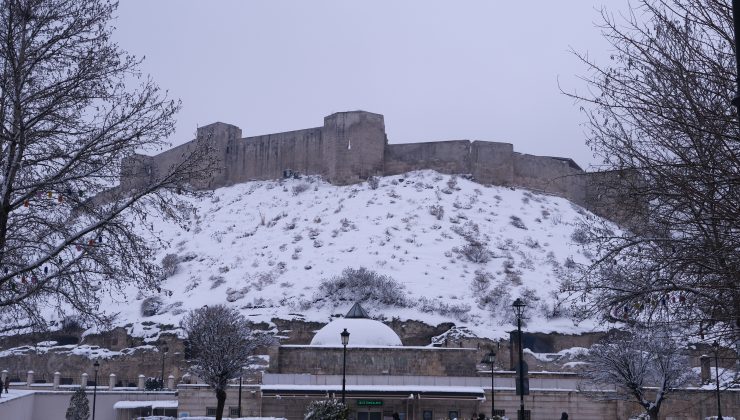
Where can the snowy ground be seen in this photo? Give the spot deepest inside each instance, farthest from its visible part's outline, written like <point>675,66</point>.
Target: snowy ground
<point>92,352</point>
<point>727,378</point>
<point>13,394</point>
<point>210,418</point>
<point>264,247</point>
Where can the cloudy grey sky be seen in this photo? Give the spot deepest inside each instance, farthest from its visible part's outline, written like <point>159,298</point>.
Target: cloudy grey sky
<point>437,70</point>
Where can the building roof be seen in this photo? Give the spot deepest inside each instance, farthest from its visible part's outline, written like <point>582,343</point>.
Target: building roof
<point>357,311</point>
<point>363,331</point>
<point>402,391</point>
<point>124,405</point>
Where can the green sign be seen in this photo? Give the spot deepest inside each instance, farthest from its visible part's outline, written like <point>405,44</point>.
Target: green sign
<point>369,402</point>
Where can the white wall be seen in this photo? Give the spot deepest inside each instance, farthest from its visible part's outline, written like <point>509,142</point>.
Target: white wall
<point>52,405</point>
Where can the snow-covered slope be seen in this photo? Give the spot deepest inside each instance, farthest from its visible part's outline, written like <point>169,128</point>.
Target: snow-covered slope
<point>461,251</point>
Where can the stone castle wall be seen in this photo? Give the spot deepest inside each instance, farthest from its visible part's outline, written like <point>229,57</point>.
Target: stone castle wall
<point>352,146</point>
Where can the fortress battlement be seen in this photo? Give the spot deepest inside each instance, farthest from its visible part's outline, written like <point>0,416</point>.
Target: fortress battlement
<point>352,146</point>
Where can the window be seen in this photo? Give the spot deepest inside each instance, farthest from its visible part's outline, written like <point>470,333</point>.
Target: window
<point>526,416</point>
<point>234,412</point>
<point>210,411</point>
<point>452,415</point>
<point>164,412</point>
<point>499,412</point>
<point>427,415</point>
<point>369,415</point>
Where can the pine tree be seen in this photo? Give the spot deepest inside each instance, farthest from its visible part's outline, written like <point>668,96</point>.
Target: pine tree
<point>79,408</point>
<point>326,410</point>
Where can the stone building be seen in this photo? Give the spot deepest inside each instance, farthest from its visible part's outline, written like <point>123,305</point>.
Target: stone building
<point>383,379</point>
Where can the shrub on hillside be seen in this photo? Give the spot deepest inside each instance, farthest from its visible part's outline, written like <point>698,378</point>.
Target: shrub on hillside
<point>437,211</point>
<point>151,306</point>
<point>469,231</point>
<point>459,311</point>
<point>581,235</point>
<point>297,189</point>
<point>169,265</point>
<point>498,300</point>
<point>517,222</point>
<point>360,285</point>
<point>481,282</point>
<point>476,252</point>
<point>373,182</point>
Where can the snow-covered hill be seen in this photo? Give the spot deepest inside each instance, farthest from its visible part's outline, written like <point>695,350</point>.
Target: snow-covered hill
<point>458,251</point>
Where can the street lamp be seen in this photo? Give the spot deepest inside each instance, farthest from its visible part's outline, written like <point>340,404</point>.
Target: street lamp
<point>164,353</point>
<point>715,345</point>
<point>241,368</point>
<point>519,308</point>
<point>345,341</point>
<point>96,365</point>
<point>491,359</point>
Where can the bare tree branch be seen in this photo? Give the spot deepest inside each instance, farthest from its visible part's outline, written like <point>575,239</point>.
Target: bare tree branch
<point>659,117</point>
<point>221,344</point>
<point>73,109</point>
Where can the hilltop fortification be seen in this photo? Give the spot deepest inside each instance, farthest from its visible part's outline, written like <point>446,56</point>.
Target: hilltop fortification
<point>352,146</point>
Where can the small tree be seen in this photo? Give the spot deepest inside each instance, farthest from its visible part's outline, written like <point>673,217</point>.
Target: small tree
<point>220,343</point>
<point>326,410</point>
<point>646,366</point>
<point>79,408</point>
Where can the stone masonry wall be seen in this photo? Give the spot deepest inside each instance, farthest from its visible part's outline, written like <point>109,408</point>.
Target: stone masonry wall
<point>265,157</point>
<point>550,175</point>
<point>372,361</point>
<point>352,146</point>
<point>447,157</point>
<point>492,163</point>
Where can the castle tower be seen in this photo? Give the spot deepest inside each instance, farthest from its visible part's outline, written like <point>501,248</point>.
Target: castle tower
<point>223,137</point>
<point>354,143</point>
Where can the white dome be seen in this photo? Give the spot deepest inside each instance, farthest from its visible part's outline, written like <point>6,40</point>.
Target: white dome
<point>362,332</point>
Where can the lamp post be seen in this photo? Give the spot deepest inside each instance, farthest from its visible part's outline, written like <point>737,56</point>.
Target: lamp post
<point>715,346</point>
<point>240,390</point>
<point>96,365</point>
<point>164,353</point>
<point>345,341</point>
<point>491,359</point>
<point>519,308</point>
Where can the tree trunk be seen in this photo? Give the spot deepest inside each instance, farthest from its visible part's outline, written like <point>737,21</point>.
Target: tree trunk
<point>653,413</point>
<point>221,401</point>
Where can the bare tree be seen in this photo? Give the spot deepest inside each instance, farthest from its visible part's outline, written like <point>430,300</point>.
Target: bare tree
<point>659,117</point>
<point>645,366</point>
<point>221,344</point>
<point>73,107</point>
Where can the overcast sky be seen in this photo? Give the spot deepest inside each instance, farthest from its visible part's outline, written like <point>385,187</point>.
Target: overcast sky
<point>437,70</point>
